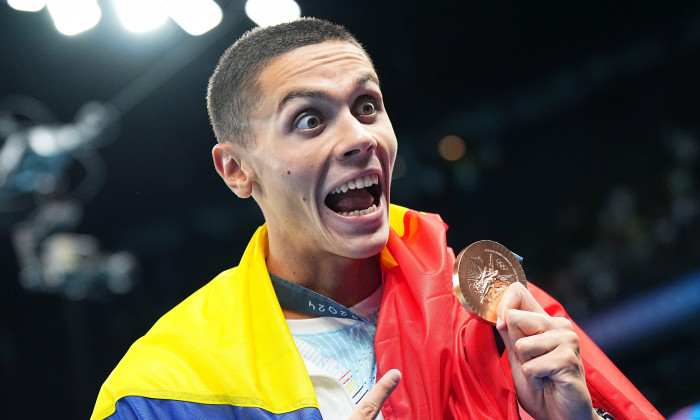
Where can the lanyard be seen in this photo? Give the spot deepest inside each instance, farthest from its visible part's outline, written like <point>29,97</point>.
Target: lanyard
<point>299,298</point>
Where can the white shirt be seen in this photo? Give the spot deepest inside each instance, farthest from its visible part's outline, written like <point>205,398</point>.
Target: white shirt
<point>339,357</point>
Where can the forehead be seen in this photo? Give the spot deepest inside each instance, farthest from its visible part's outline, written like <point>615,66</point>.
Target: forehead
<point>324,65</point>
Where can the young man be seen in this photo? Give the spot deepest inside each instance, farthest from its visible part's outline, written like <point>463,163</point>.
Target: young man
<point>296,330</point>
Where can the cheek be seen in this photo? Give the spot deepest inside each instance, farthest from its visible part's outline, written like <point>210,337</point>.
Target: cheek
<point>394,149</point>
<point>387,133</point>
<point>300,179</point>
<point>391,146</point>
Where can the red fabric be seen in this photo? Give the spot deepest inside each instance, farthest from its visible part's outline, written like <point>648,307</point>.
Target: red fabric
<point>609,388</point>
<point>449,361</point>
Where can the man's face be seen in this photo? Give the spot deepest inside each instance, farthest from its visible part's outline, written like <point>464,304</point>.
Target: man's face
<point>323,153</point>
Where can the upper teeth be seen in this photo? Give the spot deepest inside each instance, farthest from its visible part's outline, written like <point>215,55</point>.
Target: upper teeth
<point>366,181</point>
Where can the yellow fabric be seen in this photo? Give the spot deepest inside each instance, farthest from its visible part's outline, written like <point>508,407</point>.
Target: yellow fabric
<point>197,353</point>
<point>396,214</point>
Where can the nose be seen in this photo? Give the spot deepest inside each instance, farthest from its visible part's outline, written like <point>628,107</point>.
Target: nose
<point>356,139</point>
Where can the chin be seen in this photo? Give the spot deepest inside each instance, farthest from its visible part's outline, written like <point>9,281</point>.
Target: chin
<point>363,247</point>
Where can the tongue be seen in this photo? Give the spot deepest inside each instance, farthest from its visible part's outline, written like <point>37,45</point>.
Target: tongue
<point>358,199</point>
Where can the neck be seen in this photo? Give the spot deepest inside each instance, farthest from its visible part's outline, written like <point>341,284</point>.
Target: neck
<point>346,281</point>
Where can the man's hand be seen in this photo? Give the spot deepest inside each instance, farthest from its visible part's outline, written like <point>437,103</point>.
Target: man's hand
<point>371,404</point>
<point>543,353</point>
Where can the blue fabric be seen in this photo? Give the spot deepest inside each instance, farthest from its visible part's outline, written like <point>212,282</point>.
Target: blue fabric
<point>142,408</point>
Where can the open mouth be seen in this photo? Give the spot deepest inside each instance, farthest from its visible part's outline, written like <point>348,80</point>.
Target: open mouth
<point>356,197</point>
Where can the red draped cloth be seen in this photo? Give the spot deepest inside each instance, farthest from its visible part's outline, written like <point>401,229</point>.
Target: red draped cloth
<point>450,363</point>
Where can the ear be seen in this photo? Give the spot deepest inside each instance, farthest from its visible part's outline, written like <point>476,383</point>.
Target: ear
<point>228,160</point>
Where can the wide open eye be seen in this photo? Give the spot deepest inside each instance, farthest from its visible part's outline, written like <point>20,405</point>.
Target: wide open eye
<point>308,121</point>
<point>366,107</point>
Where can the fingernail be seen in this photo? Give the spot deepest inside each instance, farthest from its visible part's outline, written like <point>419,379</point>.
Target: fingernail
<point>499,323</point>
<point>394,375</point>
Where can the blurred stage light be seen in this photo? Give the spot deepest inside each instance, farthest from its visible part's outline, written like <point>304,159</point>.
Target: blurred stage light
<point>47,142</point>
<point>452,148</point>
<point>92,121</point>
<point>74,16</point>
<point>140,16</point>
<point>195,16</point>
<point>272,12</point>
<point>27,5</point>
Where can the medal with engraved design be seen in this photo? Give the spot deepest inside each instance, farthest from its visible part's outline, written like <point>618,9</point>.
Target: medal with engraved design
<point>485,269</point>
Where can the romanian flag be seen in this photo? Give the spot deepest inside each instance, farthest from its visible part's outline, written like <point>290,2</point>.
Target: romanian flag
<point>226,351</point>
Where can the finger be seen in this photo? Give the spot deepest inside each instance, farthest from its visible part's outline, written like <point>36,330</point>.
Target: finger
<point>516,296</point>
<point>528,334</point>
<point>517,324</point>
<point>372,403</point>
<point>530,347</point>
<point>525,323</point>
<point>562,364</point>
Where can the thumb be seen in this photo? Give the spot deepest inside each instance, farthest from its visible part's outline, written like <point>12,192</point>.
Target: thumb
<point>372,403</point>
<point>517,296</point>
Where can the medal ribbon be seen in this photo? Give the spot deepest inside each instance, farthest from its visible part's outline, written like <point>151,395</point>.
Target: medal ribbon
<point>299,298</point>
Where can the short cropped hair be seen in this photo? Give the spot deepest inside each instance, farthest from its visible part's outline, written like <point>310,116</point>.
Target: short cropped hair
<point>233,89</point>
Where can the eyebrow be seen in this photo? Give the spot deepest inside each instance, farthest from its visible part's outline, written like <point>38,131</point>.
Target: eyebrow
<point>308,93</point>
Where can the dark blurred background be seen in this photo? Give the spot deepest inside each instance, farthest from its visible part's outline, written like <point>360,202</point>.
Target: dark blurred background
<point>567,131</point>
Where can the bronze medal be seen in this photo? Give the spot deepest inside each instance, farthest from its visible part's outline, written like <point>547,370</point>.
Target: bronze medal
<point>485,269</point>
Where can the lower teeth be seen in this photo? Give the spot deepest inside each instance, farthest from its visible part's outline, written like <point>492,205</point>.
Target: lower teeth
<point>359,212</point>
